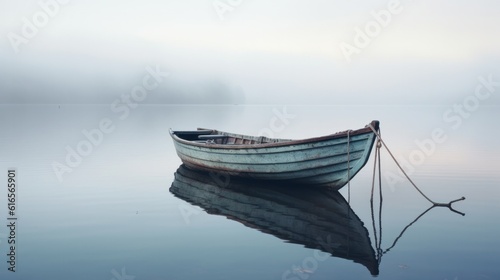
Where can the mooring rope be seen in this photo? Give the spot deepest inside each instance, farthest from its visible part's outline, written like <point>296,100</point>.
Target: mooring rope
<point>348,167</point>
<point>371,202</point>
<point>408,177</point>
<point>378,237</point>
<point>377,232</point>
<point>397,163</point>
<point>379,145</point>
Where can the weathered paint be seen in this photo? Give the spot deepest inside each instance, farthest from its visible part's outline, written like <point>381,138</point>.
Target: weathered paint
<point>315,161</point>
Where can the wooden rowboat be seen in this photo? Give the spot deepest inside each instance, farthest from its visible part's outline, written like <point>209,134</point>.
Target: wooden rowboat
<point>326,161</point>
<point>314,218</point>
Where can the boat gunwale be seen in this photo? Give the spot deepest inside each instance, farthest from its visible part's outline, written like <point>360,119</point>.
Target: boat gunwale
<point>283,143</point>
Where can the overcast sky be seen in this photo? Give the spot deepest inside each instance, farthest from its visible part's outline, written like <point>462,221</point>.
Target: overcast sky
<point>242,51</point>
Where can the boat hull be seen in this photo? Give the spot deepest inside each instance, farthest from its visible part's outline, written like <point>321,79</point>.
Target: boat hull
<point>328,161</point>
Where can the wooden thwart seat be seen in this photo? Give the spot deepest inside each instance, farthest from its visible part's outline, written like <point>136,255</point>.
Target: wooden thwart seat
<point>214,136</point>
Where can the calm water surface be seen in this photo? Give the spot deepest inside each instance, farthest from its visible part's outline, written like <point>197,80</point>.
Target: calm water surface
<point>116,212</point>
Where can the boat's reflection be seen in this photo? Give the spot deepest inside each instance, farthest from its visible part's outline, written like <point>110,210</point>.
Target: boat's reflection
<point>316,218</point>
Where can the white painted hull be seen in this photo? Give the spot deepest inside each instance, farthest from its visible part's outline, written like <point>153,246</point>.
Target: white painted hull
<point>320,161</point>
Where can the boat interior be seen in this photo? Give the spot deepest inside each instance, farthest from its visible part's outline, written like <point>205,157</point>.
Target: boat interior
<point>212,136</point>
